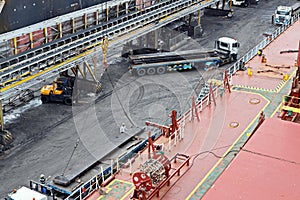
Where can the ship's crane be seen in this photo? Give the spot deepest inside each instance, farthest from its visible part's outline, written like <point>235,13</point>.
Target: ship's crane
<point>166,130</point>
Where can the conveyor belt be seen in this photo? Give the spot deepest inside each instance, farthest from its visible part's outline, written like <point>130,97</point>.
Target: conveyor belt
<point>52,56</point>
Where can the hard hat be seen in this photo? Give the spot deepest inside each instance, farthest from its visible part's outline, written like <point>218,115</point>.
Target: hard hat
<point>42,175</point>
<point>123,124</point>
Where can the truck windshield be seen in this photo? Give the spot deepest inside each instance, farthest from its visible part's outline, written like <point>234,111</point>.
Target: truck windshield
<point>235,44</point>
<point>282,12</point>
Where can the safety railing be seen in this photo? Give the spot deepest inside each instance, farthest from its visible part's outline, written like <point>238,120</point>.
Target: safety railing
<point>95,182</point>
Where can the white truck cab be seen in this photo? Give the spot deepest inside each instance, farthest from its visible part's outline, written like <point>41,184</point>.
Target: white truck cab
<point>283,15</point>
<point>244,3</point>
<point>25,193</point>
<point>228,44</point>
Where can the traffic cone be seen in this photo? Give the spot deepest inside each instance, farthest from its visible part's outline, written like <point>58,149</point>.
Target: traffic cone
<point>263,59</point>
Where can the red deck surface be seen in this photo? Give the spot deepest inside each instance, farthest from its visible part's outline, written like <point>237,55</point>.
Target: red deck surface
<point>250,176</point>
<point>212,133</point>
<point>288,40</point>
<point>269,168</point>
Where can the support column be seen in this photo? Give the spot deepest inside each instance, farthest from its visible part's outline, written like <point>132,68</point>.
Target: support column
<point>85,21</point>
<point>126,7</point>
<point>156,39</point>
<point>1,117</point>
<point>107,12</point>
<point>96,17</point>
<point>146,40</point>
<point>198,31</point>
<point>104,50</point>
<point>199,17</point>
<point>59,28</point>
<point>31,40</point>
<point>117,10</point>
<point>46,34</point>
<point>15,46</point>
<point>73,25</point>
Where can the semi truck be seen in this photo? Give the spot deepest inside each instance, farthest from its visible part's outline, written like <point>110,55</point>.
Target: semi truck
<point>226,51</point>
<point>284,14</point>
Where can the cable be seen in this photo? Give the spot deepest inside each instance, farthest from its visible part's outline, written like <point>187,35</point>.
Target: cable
<point>195,156</point>
<point>268,156</point>
<point>76,145</point>
<point>126,115</point>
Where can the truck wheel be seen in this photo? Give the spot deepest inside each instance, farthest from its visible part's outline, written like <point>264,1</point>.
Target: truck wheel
<point>161,70</point>
<point>151,71</point>
<point>141,72</point>
<point>68,101</point>
<point>44,99</point>
<point>245,4</point>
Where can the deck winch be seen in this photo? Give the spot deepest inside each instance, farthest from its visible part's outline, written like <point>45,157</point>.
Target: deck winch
<point>152,173</point>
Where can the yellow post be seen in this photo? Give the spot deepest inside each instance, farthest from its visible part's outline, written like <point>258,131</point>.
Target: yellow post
<point>199,17</point>
<point>286,77</point>
<point>46,34</point>
<point>59,27</point>
<point>31,40</point>
<point>15,46</point>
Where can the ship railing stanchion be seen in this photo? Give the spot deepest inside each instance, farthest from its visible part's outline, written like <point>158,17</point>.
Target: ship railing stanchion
<point>97,183</point>
<point>102,174</point>
<point>130,166</point>
<point>80,194</point>
<point>111,167</point>
<point>118,167</point>
<point>201,105</point>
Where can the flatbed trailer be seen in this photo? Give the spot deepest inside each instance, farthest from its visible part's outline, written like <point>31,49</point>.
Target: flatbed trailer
<point>226,51</point>
<point>160,63</point>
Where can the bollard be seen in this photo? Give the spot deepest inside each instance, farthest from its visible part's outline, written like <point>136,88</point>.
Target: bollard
<point>249,71</point>
<point>286,77</point>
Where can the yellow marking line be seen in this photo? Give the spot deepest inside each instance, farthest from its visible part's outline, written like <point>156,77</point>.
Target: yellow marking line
<point>127,194</point>
<point>44,71</point>
<point>109,188</point>
<point>229,149</point>
<point>278,107</point>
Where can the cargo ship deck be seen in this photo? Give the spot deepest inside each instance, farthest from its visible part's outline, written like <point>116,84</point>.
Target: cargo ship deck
<point>210,142</point>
